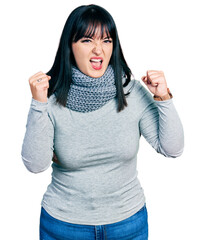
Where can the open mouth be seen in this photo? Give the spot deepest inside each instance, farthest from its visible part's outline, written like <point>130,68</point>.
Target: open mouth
<point>96,63</point>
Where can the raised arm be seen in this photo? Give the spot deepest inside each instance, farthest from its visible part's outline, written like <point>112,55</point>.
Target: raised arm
<point>162,128</point>
<point>160,123</point>
<point>37,148</point>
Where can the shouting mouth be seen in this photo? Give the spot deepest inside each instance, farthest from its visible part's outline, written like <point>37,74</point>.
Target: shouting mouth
<point>96,63</point>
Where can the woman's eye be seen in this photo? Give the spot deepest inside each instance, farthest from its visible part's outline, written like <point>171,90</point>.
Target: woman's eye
<point>86,40</point>
<point>107,41</point>
<point>90,40</point>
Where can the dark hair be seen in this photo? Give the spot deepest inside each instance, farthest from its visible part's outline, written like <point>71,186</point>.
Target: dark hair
<point>84,20</point>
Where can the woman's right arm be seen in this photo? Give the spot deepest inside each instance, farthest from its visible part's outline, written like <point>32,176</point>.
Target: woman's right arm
<point>37,148</point>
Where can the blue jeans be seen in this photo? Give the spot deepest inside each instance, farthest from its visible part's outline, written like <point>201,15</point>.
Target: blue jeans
<point>132,228</point>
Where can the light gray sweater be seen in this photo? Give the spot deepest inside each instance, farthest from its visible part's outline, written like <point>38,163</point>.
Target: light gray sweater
<point>96,181</point>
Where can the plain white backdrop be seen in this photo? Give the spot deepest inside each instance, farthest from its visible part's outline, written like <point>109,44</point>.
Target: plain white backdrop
<point>155,35</point>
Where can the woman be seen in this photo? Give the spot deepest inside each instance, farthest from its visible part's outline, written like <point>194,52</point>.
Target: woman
<point>87,115</point>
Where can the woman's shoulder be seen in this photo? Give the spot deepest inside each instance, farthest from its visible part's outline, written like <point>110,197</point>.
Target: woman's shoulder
<point>141,94</point>
<point>137,88</point>
<point>52,103</point>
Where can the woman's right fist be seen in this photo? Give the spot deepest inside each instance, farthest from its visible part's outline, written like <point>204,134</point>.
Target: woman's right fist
<point>39,86</point>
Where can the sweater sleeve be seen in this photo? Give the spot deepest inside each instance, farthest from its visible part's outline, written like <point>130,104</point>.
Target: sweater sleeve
<point>37,148</point>
<point>162,128</point>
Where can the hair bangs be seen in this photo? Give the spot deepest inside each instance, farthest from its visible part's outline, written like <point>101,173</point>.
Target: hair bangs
<point>93,27</point>
<point>88,27</point>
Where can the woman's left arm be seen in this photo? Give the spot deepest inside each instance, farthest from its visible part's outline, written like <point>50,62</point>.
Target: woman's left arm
<point>160,123</point>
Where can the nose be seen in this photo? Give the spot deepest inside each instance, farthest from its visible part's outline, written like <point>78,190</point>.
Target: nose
<point>97,49</point>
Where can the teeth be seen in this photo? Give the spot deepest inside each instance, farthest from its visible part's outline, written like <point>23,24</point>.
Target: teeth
<point>95,60</point>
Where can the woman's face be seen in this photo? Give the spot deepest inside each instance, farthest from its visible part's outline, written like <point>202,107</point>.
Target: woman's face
<point>92,55</point>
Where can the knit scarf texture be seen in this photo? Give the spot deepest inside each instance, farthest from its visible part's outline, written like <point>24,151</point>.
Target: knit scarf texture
<point>88,94</point>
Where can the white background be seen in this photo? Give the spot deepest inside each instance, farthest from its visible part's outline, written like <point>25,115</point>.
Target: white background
<point>155,35</point>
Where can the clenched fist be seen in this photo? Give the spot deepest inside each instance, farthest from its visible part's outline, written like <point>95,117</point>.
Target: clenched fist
<point>39,86</point>
<point>156,82</point>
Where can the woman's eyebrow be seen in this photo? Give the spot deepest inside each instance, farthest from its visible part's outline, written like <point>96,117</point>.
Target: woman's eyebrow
<point>107,37</point>
<point>87,37</point>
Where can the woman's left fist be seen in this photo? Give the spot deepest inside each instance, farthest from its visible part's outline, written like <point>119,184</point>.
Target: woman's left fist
<point>156,82</point>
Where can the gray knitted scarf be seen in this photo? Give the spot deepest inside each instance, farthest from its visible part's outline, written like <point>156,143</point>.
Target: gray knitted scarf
<point>87,94</point>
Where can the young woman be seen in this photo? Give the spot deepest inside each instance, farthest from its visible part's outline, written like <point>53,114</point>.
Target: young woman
<point>87,115</point>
